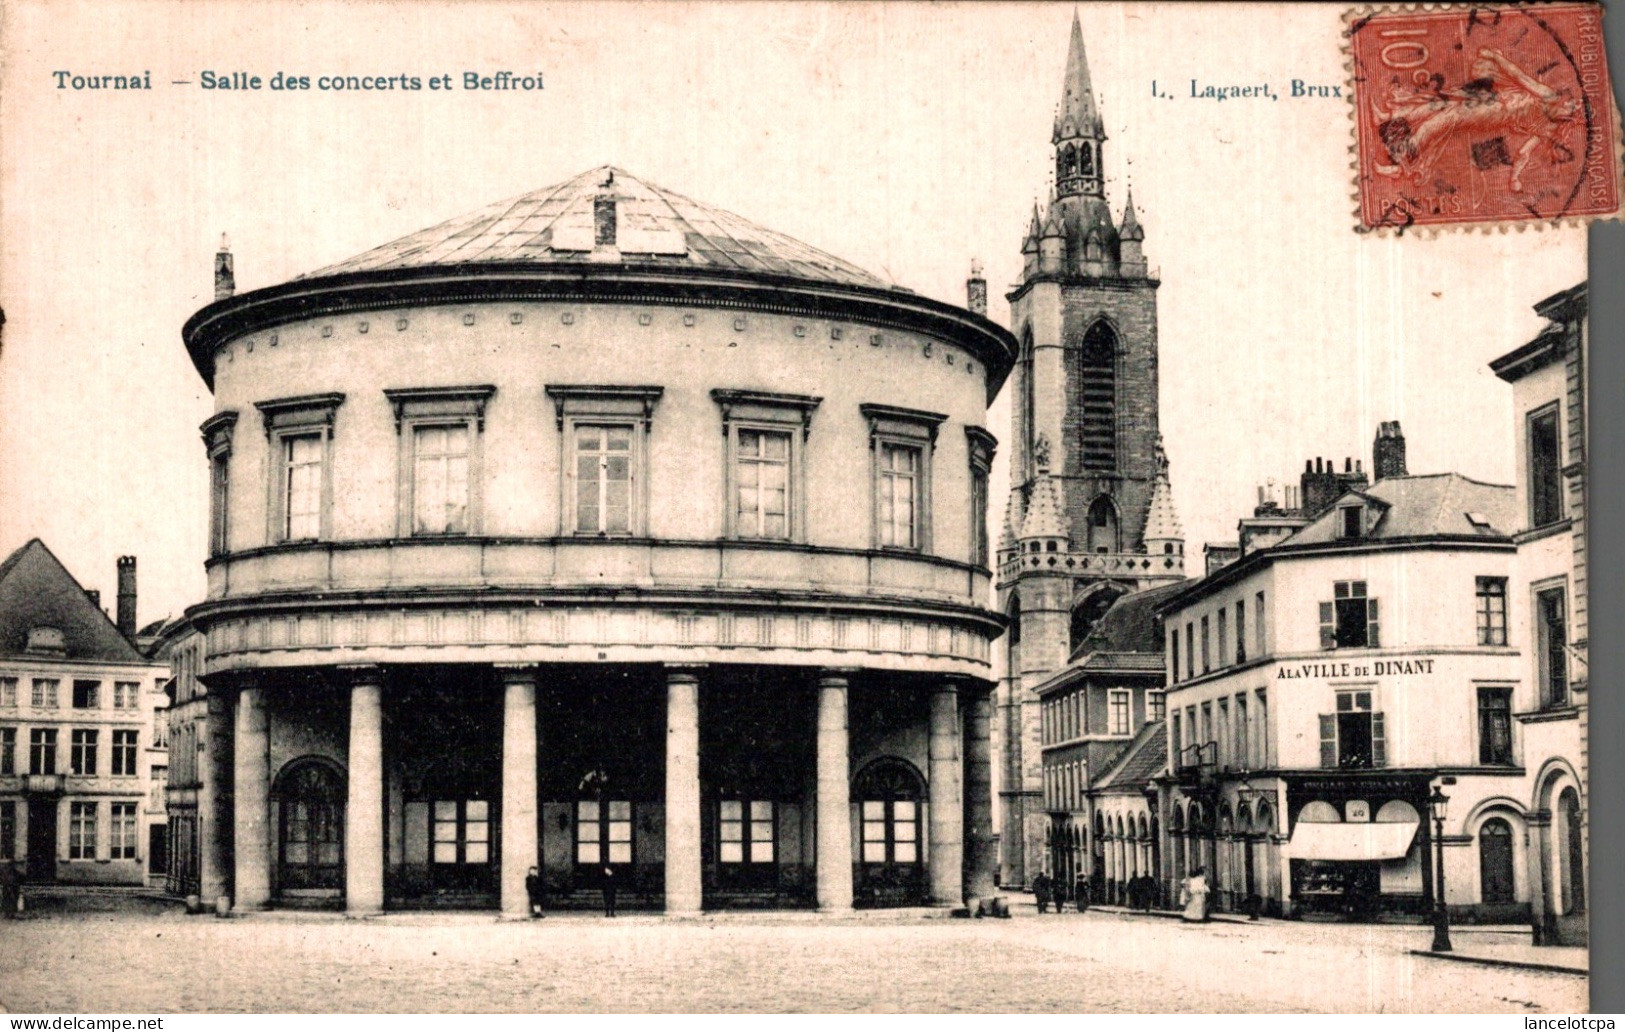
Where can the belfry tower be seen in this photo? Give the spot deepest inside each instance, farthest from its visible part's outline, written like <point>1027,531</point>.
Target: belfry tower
<point>1090,516</point>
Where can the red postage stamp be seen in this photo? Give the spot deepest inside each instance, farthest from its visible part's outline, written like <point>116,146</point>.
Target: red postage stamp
<point>1483,114</point>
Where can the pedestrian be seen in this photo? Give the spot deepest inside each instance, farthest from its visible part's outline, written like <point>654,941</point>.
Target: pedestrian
<point>1041,892</point>
<point>533,890</point>
<point>1080,893</point>
<point>1195,896</point>
<point>609,891</point>
<point>8,890</point>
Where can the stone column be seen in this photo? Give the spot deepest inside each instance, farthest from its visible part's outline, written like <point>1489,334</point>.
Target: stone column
<point>364,810</point>
<point>251,820</point>
<point>683,879</point>
<point>834,807</point>
<point>519,844</point>
<point>980,855</point>
<point>214,818</point>
<point>947,821</point>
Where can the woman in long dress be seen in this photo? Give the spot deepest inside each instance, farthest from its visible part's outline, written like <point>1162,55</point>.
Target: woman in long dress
<point>1196,896</point>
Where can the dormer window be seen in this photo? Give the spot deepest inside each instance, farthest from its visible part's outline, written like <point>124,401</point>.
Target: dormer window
<point>1353,521</point>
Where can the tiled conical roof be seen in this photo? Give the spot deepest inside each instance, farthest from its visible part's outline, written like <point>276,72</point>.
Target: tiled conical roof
<point>653,227</point>
<point>1161,521</point>
<point>1078,115</point>
<point>1044,518</point>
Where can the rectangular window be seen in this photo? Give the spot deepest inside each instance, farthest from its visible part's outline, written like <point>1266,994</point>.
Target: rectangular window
<point>603,465</point>
<point>219,497</point>
<point>1551,647</point>
<point>82,831</point>
<point>1156,705</point>
<point>1207,653</point>
<point>124,753</point>
<point>87,695</point>
<point>1351,521</point>
<point>1492,610</point>
<point>1241,632</point>
<point>42,750</point>
<point>1545,468</point>
<point>8,830</point>
<point>1223,637</point>
<point>440,479</point>
<point>1353,736</point>
<point>604,831</point>
<point>978,516</point>
<point>1222,734</point>
<point>1349,621</point>
<point>1263,711</point>
<point>121,831</point>
<point>891,831</point>
<point>8,692</point>
<point>1258,624</point>
<point>1244,755</point>
<point>1173,654</point>
<point>745,831</point>
<point>44,695</point>
<point>762,481</point>
<point>1495,725</point>
<point>1207,723</point>
<point>1117,710</point>
<point>302,463</point>
<point>1174,743</point>
<point>82,756</point>
<point>1190,651</point>
<point>899,495</point>
<point>8,750</point>
<point>126,695</point>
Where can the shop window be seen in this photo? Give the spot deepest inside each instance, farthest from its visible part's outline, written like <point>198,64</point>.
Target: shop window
<point>82,754</point>
<point>82,831</point>
<point>121,831</point>
<point>1495,725</point>
<point>1349,621</point>
<point>42,750</point>
<point>1545,468</point>
<point>1117,710</point>
<point>603,832</point>
<point>1492,610</point>
<point>1495,861</point>
<point>1551,647</point>
<point>124,742</point>
<point>1354,736</point>
<point>604,435</point>
<point>745,831</point>
<point>8,750</point>
<point>902,441</point>
<point>44,695</point>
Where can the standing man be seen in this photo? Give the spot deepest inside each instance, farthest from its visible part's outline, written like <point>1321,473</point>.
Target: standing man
<point>609,891</point>
<point>533,890</point>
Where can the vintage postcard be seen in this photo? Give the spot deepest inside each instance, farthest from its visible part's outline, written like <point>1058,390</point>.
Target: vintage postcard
<point>734,508</point>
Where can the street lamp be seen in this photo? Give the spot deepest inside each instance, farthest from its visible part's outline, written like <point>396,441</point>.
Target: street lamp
<point>1437,803</point>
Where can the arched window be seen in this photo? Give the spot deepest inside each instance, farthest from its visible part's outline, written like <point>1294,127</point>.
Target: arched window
<point>1104,534</point>
<point>1086,160</point>
<point>1069,163</point>
<point>1097,388</point>
<point>1495,861</point>
<point>889,792</point>
<point>1572,859</point>
<point>1024,381</point>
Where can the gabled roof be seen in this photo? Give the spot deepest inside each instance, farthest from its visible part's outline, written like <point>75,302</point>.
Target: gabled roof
<point>37,590</point>
<point>1144,758</point>
<point>1423,506</point>
<point>653,227</point>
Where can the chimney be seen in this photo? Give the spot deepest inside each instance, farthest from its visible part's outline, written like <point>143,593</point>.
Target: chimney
<point>225,280</point>
<point>976,289</point>
<point>1388,451</point>
<point>126,596</point>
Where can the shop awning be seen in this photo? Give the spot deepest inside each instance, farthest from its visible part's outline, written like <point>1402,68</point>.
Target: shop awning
<point>1351,840</point>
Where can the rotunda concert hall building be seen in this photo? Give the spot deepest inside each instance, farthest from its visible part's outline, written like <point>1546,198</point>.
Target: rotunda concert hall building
<point>604,532</point>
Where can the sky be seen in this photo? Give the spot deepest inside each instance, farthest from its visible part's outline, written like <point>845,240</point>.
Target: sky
<point>909,139</point>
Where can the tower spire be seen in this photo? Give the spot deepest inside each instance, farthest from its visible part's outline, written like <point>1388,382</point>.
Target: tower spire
<point>1079,131</point>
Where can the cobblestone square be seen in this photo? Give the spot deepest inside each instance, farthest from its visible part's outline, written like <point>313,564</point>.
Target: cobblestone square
<point>1094,962</point>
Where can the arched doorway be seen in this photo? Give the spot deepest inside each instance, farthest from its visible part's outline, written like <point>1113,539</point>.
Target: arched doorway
<point>309,794</point>
<point>1495,861</point>
<point>891,871</point>
<point>1571,854</point>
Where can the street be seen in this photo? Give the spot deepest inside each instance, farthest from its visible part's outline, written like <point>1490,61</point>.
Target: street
<point>164,962</point>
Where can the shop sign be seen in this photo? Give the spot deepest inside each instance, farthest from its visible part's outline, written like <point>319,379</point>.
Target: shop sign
<point>1367,668</point>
